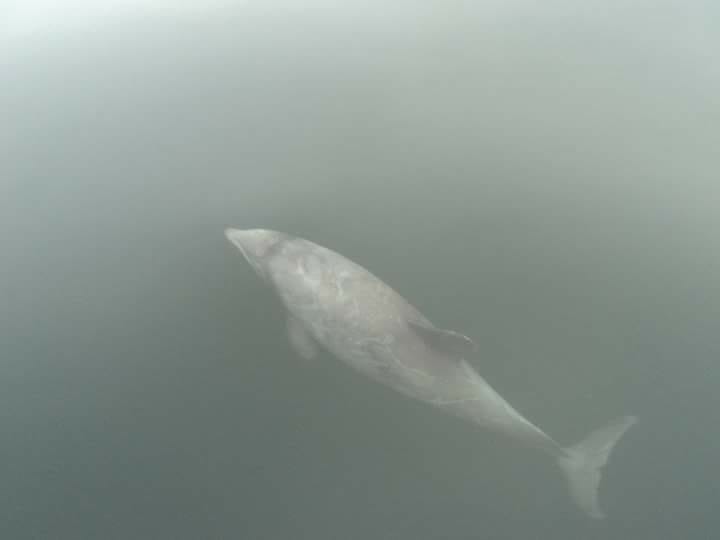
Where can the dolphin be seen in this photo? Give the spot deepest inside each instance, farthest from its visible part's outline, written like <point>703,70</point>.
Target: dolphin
<point>340,306</point>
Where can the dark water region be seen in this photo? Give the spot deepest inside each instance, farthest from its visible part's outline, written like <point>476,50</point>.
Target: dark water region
<point>541,179</point>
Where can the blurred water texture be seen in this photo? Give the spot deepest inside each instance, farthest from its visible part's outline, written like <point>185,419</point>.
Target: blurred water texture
<point>541,178</point>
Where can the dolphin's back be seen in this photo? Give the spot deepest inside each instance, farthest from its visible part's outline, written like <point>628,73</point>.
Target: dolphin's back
<point>348,294</point>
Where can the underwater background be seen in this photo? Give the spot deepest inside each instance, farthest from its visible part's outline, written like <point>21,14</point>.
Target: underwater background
<point>542,178</point>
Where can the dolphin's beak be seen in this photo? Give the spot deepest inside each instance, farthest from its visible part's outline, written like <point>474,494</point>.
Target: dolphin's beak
<point>239,239</point>
<point>253,243</point>
<point>232,234</point>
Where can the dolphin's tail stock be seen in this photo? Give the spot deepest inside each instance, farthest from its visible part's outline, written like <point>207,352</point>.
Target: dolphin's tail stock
<point>582,462</point>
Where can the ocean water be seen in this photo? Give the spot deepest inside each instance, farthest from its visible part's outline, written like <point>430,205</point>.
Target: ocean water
<point>543,179</point>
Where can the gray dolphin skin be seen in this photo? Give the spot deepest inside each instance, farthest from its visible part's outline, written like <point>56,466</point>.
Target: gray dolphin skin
<point>340,306</point>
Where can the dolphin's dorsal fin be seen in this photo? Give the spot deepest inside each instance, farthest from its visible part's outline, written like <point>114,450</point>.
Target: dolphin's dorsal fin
<point>445,341</point>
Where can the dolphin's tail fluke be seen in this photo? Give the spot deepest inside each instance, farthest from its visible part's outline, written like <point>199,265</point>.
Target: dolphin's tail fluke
<point>582,463</point>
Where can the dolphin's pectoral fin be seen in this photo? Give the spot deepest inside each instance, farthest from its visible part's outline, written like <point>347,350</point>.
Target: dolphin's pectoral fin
<point>444,341</point>
<point>300,339</point>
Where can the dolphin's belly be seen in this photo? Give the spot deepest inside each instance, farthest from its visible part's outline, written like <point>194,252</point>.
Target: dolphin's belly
<point>379,359</point>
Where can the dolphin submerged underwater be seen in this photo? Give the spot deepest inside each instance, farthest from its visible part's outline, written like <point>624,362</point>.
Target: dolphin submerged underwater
<point>339,305</point>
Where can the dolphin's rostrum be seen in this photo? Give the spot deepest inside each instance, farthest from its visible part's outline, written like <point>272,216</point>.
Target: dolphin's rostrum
<point>334,302</point>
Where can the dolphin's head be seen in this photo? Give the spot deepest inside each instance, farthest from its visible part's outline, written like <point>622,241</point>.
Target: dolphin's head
<point>258,246</point>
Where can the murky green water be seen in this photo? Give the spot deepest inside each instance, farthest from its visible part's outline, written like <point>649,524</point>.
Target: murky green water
<point>543,180</point>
